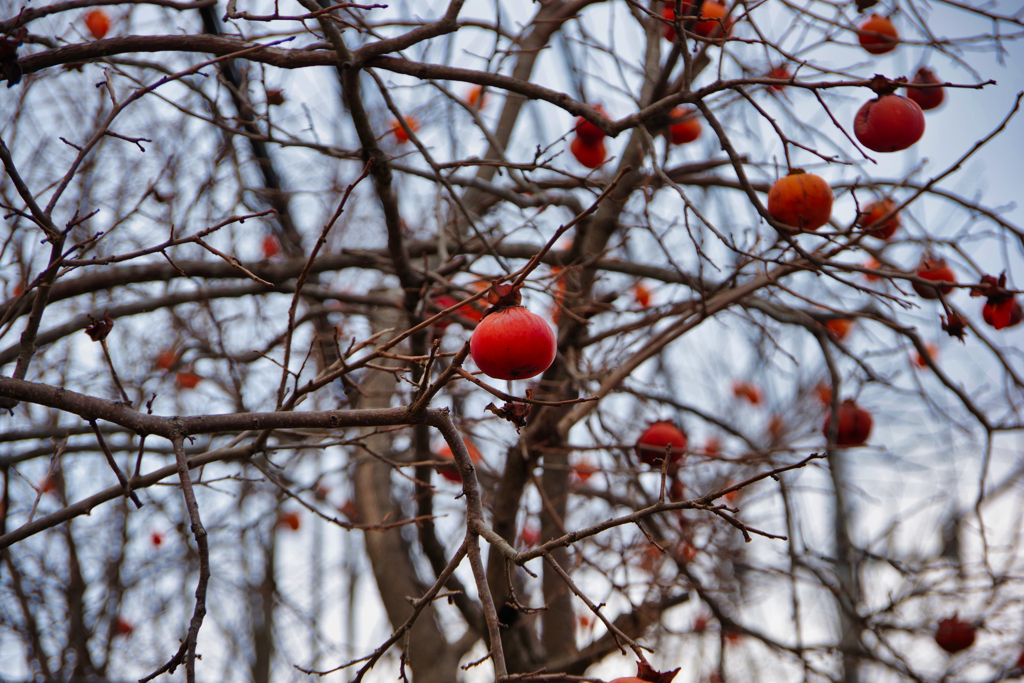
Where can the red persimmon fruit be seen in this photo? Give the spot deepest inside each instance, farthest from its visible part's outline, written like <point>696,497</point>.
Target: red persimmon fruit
<point>871,220</point>
<point>590,154</point>
<point>933,270</point>
<point>889,124</point>
<point>953,635</point>
<point>927,98</point>
<point>511,342</point>
<point>98,23</point>
<point>686,130</point>
<point>878,35</point>
<point>854,424</point>
<point>650,449</point>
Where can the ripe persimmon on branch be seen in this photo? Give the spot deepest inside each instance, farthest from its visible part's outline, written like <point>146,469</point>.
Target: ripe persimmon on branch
<point>674,337</point>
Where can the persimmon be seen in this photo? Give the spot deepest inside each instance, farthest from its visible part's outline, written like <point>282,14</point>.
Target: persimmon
<point>747,391</point>
<point>590,154</point>
<point>587,131</point>
<point>529,535</point>
<point>1001,308</point>
<point>780,73</point>
<point>927,98</point>
<point>186,379</point>
<point>166,360</point>
<point>776,427</point>
<point>98,23</point>
<point>873,264</point>
<point>878,35</point>
<point>289,520</point>
<point>471,312</point>
<point>583,470</point>
<point>801,200</point>
<point>511,342</point>
<point>839,327</point>
<point>668,12</point>
<point>642,295</point>
<point>705,24</point>
<point>954,635</point>
<point>271,246</point>
<point>399,131</point>
<point>732,496</point>
<point>871,219</point>
<point>855,424</point>
<point>156,538</point>
<point>686,130</point>
<point>1002,314</point>
<point>658,437</point>
<point>931,352</point>
<point>712,446</point>
<point>476,97</point>
<point>451,472</point>
<point>824,394</point>
<point>474,312</point>
<point>933,270</point>
<point>122,627</point>
<point>712,22</point>
<point>889,124</point>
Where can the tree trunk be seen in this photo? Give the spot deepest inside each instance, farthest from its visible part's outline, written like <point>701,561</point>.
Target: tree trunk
<point>432,658</point>
<point>849,594</point>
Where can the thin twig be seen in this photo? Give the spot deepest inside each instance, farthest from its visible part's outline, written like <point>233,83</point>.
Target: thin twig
<point>199,532</point>
<point>123,480</point>
<point>113,372</point>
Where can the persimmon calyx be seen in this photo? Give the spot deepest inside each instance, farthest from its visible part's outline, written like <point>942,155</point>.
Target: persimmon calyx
<point>503,296</point>
<point>881,85</point>
<point>646,672</point>
<point>992,289</point>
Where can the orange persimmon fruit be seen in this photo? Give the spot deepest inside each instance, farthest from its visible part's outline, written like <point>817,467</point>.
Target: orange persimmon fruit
<point>801,200</point>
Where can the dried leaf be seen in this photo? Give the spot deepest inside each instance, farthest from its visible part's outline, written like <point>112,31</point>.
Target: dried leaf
<point>516,413</point>
<point>99,329</point>
<point>954,326</point>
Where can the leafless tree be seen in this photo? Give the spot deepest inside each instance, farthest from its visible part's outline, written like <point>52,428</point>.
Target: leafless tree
<point>245,247</point>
